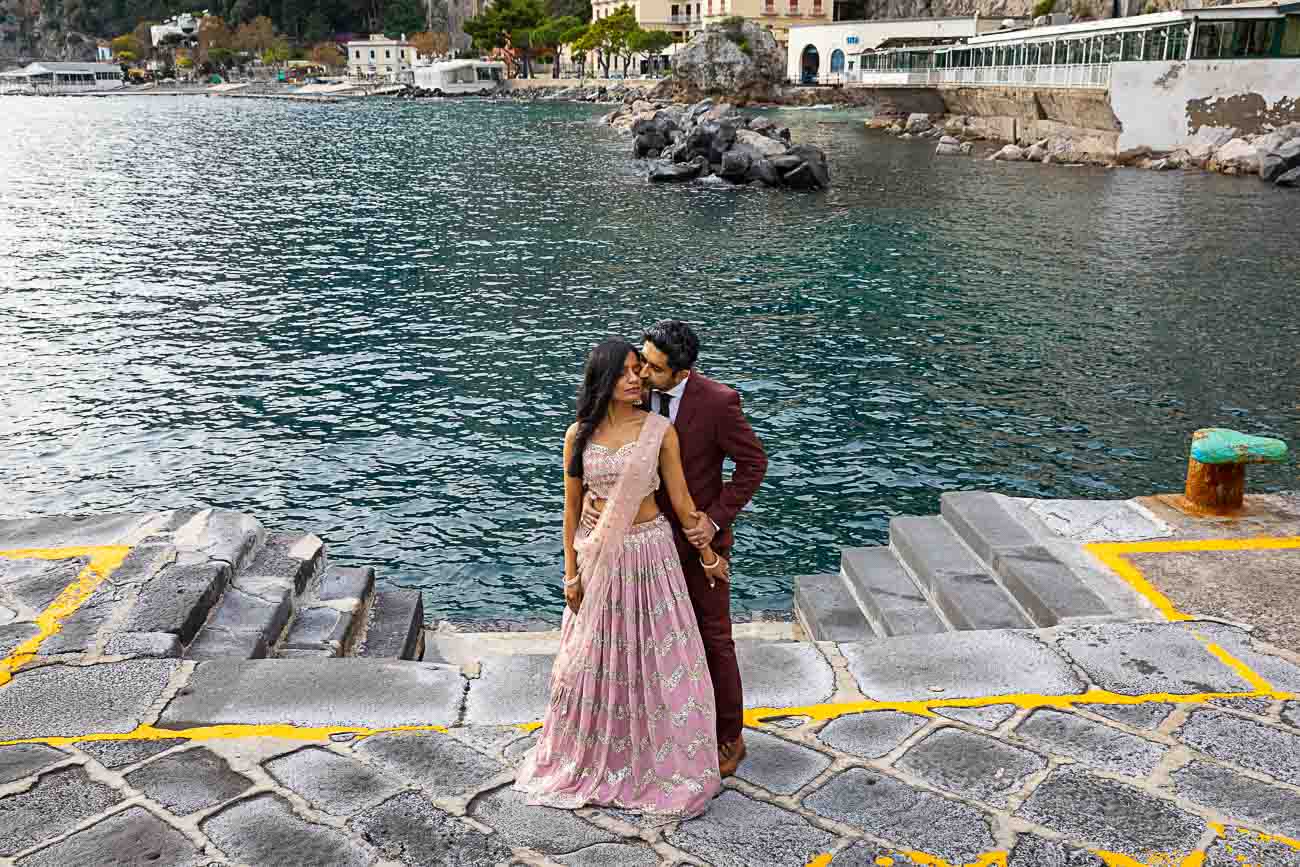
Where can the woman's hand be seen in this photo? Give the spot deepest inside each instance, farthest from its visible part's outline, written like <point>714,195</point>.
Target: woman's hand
<point>716,571</point>
<point>573,593</point>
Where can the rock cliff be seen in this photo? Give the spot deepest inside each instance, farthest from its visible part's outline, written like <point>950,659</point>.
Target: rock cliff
<point>738,60</point>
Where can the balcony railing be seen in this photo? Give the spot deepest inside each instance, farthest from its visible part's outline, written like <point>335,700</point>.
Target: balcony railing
<point>769,9</point>
<point>1094,76</point>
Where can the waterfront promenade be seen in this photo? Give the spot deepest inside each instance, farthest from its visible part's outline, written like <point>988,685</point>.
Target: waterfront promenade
<point>1167,739</point>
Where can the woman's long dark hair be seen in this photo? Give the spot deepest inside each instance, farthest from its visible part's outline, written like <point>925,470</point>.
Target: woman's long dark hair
<point>604,369</point>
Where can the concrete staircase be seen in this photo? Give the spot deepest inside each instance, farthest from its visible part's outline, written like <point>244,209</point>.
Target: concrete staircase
<point>228,589</point>
<point>974,566</point>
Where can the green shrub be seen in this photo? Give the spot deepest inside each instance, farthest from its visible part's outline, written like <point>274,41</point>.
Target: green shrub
<point>1044,7</point>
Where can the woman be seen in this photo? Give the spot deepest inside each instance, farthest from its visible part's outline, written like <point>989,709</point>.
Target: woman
<point>631,719</point>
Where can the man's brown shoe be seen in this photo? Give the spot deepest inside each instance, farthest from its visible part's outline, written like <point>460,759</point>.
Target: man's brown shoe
<point>730,756</point>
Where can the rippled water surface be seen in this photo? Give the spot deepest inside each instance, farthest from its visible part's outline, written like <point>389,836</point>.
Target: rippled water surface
<point>368,320</point>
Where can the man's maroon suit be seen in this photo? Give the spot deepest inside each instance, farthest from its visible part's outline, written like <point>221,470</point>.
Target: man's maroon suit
<point>711,427</point>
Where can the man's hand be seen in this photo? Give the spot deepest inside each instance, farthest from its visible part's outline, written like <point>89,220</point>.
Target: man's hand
<point>703,532</point>
<point>591,509</point>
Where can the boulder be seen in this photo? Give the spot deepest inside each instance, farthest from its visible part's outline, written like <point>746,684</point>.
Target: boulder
<point>664,172</point>
<point>1036,153</point>
<point>740,59</point>
<point>967,148</point>
<point>651,140</point>
<point>948,150</point>
<point>786,162</point>
<point>1009,153</point>
<point>1237,157</point>
<point>641,106</point>
<point>719,111</point>
<point>763,170</point>
<point>1289,179</point>
<point>918,123</point>
<point>814,161</point>
<point>1275,163</point>
<point>764,145</point>
<point>735,165</point>
<point>949,140</point>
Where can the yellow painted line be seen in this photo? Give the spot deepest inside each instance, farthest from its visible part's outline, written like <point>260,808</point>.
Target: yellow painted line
<point>225,732</point>
<point>820,861</point>
<point>103,559</point>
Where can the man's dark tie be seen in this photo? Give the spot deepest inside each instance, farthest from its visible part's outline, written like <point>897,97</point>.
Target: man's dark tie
<point>665,401</point>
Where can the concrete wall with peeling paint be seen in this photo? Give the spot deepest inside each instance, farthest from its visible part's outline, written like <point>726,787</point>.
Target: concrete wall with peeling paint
<point>1164,105</point>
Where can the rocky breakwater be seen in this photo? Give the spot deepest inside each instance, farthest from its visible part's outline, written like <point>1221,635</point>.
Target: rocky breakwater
<point>702,140</point>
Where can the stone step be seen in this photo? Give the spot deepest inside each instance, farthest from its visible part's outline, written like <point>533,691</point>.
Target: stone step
<point>958,582</point>
<point>827,611</point>
<point>1043,585</point>
<point>244,625</point>
<point>285,558</point>
<point>887,594</point>
<point>396,626</point>
<point>322,630</point>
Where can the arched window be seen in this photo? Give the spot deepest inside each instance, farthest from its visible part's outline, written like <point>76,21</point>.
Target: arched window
<point>809,65</point>
<point>837,61</point>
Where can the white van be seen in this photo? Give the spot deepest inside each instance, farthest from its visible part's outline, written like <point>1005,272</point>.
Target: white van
<point>461,76</point>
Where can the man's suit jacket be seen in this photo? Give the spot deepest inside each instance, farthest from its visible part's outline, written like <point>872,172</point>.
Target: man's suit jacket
<point>711,427</point>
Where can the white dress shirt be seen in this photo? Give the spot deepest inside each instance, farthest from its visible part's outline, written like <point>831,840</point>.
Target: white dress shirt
<point>675,399</point>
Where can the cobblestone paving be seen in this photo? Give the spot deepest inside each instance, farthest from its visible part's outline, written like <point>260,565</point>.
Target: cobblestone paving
<point>1079,777</point>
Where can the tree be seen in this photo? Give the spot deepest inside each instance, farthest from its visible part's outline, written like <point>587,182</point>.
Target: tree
<point>508,24</point>
<point>580,9</point>
<point>327,54</point>
<point>609,35</point>
<point>572,37</point>
<point>277,52</point>
<point>645,42</point>
<point>549,36</point>
<point>403,16</point>
<point>317,26</point>
<point>255,36</point>
<point>430,43</point>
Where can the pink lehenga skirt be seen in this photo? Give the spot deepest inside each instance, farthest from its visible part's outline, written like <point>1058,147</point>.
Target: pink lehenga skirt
<point>631,718</point>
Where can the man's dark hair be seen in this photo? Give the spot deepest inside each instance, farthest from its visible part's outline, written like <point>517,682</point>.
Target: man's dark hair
<point>675,339</point>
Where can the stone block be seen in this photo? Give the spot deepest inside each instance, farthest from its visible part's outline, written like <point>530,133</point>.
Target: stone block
<point>1243,847</point>
<point>510,689</point>
<point>132,838</point>
<point>66,700</point>
<point>1099,520</point>
<point>778,765</point>
<point>410,830</point>
<point>307,653</point>
<point>959,665</point>
<point>229,537</point>
<point>889,808</point>
<point>728,835</point>
<point>1257,706</point>
<point>264,830</point>
<point>1034,851</point>
<point>36,583</point>
<point>1242,798</point>
<point>59,801</point>
<point>1112,815</point>
<point>178,599</point>
<point>23,760</point>
<point>971,765</point>
<point>68,531</point>
<point>989,717</point>
<point>396,627</point>
<point>321,628</point>
<point>366,693</point>
<point>347,583</point>
<point>142,563</point>
<point>265,615</point>
<point>143,645</point>
<point>329,781</point>
<point>551,831</point>
<point>780,674</point>
<point>983,523</point>
<point>188,781</point>
<point>1145,658</point>
<point>870,735</point>
<point>285,558</point>
<point>1280,673</point>
<point>612,855</point>
<point>1148,715</point>
<point>14,634</point>
<point>1092,743</point>
<point>865,853</point>
<point>1045,587</point>
<point>1291,714</point>
<point>1270,750</point>
<point>117,754</point>
<point>214,643</point>
<point>442,766</point>
<point>956,580</point>
<point>828,611</point>
<point>891,600</point>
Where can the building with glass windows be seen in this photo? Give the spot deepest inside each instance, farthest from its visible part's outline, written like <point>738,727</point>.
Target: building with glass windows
<point>381,59</point>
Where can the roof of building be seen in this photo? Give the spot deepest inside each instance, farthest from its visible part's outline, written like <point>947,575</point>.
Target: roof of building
<point>1253,9</point>
<point>40,67</point>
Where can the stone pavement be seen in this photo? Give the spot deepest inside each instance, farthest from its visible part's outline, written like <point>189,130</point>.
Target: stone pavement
<point>1170,741</point>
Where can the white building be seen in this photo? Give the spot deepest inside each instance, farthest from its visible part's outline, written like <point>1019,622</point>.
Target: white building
<point>47,76</point>
<point>381,59</point>
<point>182,28</point>
<point>828,53</point>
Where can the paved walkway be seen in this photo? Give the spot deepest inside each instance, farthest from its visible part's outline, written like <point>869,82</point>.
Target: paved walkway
<point>1170,742</point>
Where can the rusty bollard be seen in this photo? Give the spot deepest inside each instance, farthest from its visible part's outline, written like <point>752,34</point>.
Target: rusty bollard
<point>1216,468</point>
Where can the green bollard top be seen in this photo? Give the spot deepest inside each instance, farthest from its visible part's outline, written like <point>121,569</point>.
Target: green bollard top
<point>1218,445</point>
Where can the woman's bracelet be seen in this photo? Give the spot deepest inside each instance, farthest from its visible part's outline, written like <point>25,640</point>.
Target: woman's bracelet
<point>716,560</point>
<point>570,583</point>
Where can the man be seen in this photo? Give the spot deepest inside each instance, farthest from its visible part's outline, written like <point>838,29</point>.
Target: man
<point>711,427</point>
